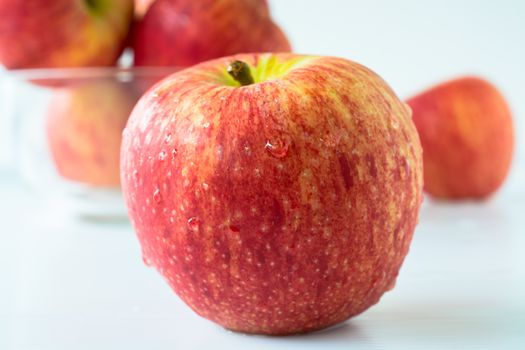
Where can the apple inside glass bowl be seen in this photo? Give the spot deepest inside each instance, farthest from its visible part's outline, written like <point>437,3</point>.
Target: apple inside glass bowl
<point>69,126</point>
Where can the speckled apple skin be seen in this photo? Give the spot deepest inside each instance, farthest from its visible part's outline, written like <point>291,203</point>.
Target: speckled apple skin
<point>63,33</point>
<point>467,135</point>
<point>185,32</point>
<point>84,126</point>
<point>280,207</point>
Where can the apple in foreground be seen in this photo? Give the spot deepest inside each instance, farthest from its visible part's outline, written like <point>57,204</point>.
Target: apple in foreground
<point>84,130</point>
<point>467,136</point>
<point>185,32</point>
<point>276,193</point>
<point>63,33</point>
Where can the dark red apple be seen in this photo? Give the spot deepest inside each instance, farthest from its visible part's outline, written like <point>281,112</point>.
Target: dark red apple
<point>186,32</point>
<point>283,205</point>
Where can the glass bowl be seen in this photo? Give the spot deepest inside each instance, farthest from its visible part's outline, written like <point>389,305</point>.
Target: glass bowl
<point>68,127</point>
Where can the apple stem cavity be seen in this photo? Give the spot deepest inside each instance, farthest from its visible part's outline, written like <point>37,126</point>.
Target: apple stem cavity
<point>92,4</point>
<point>240,71</point>
<point>96,6</point>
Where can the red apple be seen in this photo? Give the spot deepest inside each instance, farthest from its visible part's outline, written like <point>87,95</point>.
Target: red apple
<point>63,33</point>
<point>466,131</point>
<point>285,205</point>
<point>186,32</point>
<point>84,128</point>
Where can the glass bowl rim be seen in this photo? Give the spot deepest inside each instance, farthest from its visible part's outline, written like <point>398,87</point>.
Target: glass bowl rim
<point>68,73</point>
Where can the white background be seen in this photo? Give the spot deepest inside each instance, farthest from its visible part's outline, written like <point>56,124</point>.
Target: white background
<point>66,284</point>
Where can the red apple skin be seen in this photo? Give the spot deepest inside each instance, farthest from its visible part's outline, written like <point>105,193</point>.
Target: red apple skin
<point>466,131</point>
<point>281,207</point>
<point>84,130</point>
<point>63,33</point>
<point>185,32</point>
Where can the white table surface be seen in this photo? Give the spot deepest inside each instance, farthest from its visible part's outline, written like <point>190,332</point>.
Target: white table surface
<point>70,284</point>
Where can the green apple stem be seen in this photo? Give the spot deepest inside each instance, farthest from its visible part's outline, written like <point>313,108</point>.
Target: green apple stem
<point>240,71</point>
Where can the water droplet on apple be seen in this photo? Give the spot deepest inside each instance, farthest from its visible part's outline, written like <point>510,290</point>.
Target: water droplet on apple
<point>219,152</point>
<point>394,123</point>
<point>167,139</point>
<point>234,228</point>
<point>193,224</point>
<point>162,155</point>
<point>174,153</point>
<point>157,197</point>
<point>151,160</point>
<point>247,149</point>
<point>147,139</point>
<point>135,174</point>
<point>391,285</point>
<point>146,260</point>
<point>278,146</point>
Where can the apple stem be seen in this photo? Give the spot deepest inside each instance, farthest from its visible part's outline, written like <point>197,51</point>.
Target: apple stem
<point>240,71</point>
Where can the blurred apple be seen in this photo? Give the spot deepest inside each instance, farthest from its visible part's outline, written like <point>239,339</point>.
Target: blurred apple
<point>280,200</point>
<point>466,130</point>
<point>84,129</point>
<point>63,33</point>
<point>185,32</point>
